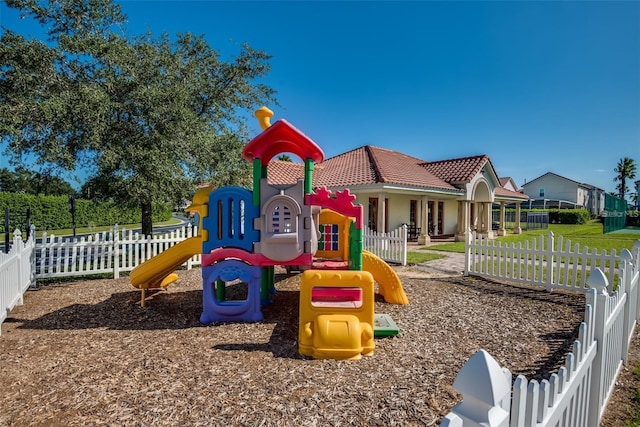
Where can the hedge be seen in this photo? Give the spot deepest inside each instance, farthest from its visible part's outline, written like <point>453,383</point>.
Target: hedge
<point>562,216</point>
<point>52,212</point>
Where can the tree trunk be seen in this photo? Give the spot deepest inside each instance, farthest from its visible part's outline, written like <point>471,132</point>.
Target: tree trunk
<point>147,220</point>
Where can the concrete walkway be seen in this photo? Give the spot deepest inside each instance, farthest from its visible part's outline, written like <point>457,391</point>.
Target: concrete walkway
<point>451,265</point>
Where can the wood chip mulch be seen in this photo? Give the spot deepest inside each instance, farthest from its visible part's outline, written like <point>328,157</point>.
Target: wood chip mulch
<point>85,353</point>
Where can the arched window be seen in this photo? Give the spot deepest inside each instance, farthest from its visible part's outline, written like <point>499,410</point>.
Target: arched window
<point>281,215</point>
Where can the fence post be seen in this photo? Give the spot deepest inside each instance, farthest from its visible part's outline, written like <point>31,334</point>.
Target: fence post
<point>485,387</point>
<point>404,244</point>
<point>189,234</point>
<point>550,245</point>
<point>17,248</point>
<point>467,253</point>
<point>597,281</point>
<point>116,252</point>
<point>626,275</point>
<point>32,258</point>
<point>636,253</point>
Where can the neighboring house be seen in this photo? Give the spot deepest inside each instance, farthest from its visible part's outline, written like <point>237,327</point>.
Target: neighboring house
<point>509,184</point>
<point>554,191</point>
<point>433,198</point>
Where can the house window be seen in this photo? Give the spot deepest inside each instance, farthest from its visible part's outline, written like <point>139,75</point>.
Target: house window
<point>372,222</point>
<point>413,213</point>
<point>542,192</point>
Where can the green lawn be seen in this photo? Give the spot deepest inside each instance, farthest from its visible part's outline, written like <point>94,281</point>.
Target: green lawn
<point>589,235</point>
<point>420,257</point>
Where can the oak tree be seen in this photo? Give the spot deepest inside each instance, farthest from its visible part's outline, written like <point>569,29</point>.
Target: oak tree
<point>150,116</point>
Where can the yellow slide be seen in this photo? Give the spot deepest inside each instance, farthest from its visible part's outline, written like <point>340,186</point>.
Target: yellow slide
<point>389,284</point>
<point>158,271</point>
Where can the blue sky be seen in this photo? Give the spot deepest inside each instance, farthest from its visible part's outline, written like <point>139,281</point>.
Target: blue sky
<point>538,86</point>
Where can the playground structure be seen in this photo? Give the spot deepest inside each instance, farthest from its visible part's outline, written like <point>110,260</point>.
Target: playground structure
<point>244,234</point>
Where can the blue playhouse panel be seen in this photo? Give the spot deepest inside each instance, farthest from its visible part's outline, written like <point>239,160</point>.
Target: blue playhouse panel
<point>230,219</point>
<point>231,311</point>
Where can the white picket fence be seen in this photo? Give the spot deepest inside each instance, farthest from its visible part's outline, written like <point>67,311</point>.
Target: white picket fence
<point>390,247</point>
<point>109,252</point>
<point>15,273</point>
<point>544,261</point>
<point>578,393</point>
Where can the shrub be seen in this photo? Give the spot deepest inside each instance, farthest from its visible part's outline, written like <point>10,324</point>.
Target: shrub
<point>52,212</point>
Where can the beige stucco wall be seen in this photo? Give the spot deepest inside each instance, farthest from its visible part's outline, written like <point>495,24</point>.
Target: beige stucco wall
<point>399,205</point>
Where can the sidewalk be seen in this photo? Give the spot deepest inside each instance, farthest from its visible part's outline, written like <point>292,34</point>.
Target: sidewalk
<point>451,265</point>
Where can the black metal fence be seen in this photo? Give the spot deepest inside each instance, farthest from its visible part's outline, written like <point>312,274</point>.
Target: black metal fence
<point>11,221</point>
<point>528,220</point>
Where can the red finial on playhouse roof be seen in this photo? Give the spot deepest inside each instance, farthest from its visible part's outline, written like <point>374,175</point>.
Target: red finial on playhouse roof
<point>281,137</point>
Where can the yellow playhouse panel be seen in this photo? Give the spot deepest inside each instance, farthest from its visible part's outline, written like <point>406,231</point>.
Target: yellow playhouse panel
<point>336,314</point>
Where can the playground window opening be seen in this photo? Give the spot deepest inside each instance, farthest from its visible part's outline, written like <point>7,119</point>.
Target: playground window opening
<point>282,219</point>
<point>234,212</point>
<point>232,291</point>
<point>334,297</point>
<point>329,237</point>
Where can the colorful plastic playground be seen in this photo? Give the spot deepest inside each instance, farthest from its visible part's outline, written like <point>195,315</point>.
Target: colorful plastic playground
<point>244,234</point>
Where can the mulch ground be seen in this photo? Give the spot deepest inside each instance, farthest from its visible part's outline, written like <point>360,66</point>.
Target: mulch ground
<point>85,353</point>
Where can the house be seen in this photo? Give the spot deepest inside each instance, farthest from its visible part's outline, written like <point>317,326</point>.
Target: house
<point>509,184</point>
<point>555,191</point>
<point>441,198</point>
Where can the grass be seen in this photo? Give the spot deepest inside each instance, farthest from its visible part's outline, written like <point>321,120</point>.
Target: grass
<point>420,257</point>
<point>589,235</point>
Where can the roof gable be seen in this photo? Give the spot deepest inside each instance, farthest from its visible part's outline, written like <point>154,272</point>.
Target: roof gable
<point>555,175</point>
<point>552,175</point>
<point>458,171</point>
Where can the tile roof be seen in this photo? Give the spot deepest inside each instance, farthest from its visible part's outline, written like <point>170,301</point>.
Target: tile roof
<point>502,192</point>
<point>457,171</point>
<point>504,181</point>
<point>375,165</point>
<point>283,172</point>
<point>369,165</point>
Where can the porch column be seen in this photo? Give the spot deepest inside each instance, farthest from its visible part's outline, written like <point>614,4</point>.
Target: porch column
<point>424,238</point>
<point>501,229</point>
<point>381,213</point>
<point>516,228</point>
<point>473,219</point>
<point>463,221</point>
<point>480,218</point>
<point>487,215</point>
